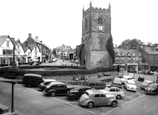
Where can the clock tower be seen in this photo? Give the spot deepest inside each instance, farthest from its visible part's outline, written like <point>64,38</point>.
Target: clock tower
<point>96,30</point>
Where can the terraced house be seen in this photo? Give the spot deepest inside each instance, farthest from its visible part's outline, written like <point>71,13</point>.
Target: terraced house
<point>6,50</point>
<point>129,59</point>
<point>38,50</point>
<point>150,55</point>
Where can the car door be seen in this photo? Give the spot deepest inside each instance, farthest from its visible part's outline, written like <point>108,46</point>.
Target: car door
<point>103,99</point>
<point>60,89</point>
<point>97,100</point>
<point>112,91</point>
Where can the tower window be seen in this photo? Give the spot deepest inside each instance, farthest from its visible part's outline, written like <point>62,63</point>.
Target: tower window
<point>86,24</point>
<point>100,21</point>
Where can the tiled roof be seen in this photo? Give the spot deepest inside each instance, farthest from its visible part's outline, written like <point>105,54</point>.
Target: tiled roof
<point>31,46</point>
<point>127,51</point>
<point>3,38</point>
<point>36,40</point>
<point>149,50</point>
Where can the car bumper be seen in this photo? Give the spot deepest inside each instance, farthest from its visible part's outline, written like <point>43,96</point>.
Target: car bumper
<point>131,89</point>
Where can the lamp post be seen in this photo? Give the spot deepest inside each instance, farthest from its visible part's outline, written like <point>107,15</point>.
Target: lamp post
<point>12,96</point>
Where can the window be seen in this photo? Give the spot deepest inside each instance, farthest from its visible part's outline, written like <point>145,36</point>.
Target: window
<point>102,95</point>
<point>97,95</point>
<point>112,90</point>
<point>35,54</point>
<point>86,24</point>
<point>7,43</point>
<point>100,21</point>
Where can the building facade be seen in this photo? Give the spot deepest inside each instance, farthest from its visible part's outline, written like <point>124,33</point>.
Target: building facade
<point>6,50</point>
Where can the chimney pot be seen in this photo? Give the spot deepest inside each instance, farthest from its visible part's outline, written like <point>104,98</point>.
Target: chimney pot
<point>30,35</point>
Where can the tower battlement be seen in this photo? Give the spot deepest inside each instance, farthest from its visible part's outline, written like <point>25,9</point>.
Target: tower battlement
<point>96,9</point>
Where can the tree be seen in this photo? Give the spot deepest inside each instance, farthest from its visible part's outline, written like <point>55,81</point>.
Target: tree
<point>131,44</point>
<point>110,48</point>
<point>54,52</point>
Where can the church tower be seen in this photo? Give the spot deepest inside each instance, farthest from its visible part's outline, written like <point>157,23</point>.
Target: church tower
<point>96,30</point>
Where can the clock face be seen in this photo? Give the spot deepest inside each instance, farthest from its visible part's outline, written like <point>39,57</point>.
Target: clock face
<point>100,28</point>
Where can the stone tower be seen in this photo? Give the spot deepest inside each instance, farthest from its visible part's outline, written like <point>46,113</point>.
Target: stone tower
<point>96,30</point>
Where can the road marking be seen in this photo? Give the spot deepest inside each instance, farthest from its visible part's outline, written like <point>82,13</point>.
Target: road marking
<point>60,100</point>
<point>123,104</point>
<point>73,105</point>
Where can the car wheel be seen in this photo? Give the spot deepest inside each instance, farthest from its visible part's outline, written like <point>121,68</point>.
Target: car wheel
<point>114,104</point>
<point>118,97</point>
<point>90,105</point>
<point>53,94</point>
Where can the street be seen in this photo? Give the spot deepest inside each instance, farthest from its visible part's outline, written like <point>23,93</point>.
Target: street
<point>29,101</point>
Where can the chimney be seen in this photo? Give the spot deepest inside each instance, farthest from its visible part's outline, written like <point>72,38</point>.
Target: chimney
<point>36,37</point>
<point>30,36</point>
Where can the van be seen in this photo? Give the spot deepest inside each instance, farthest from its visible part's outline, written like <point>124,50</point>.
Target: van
<point>32,80</point>
<point>96,84</point>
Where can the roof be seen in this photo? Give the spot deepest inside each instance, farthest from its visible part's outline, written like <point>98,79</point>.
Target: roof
<point>32,74</point>
<point>46,80</point>
<point>127,51</point>
<point>150,50</point>
<point>3,38</point>
<point>36,40</point>
<point>56,82</point>
<point>31,46</point>
<point>93,91</point>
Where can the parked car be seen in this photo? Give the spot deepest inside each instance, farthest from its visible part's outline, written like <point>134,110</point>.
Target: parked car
<point>130,85</point>
<point>96,84</point>
<point>45,82</point>
<point>152,88</point>
<point>127,77</point>
<point>97,98</point>
<point>75,94</point>
<point>57,88</point>
<point>32,80</point>
<point>116,82</point>
<point>117,92</point>
<point>145,84</point>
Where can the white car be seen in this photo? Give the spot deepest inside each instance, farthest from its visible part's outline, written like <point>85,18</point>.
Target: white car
<point>127,77</point>
<point>117,92</point>
<point>130,85</point>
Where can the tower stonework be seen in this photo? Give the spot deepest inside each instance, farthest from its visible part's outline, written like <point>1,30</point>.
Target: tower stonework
<point>96,30</point>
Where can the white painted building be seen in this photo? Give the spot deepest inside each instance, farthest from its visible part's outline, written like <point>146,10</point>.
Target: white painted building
<point>6,50</point>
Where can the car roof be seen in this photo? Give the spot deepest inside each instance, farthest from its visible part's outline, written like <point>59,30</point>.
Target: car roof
<point>130,81</point>
<point>32,74</point>
<point>45,80</point>
<point>148,81</point>
<point>92,92</point>
<point>56,82</point>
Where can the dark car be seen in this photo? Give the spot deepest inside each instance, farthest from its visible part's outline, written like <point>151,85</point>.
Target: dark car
<point>152,89</point>
<point>45,82</point>
<point>32,80</point>
<point>75,94</point>
<point>56,88</point>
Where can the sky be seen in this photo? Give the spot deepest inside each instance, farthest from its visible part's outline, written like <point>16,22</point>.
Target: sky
<point>58,22</point>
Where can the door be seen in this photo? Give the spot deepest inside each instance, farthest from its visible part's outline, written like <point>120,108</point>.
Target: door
<point>103,99</point>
